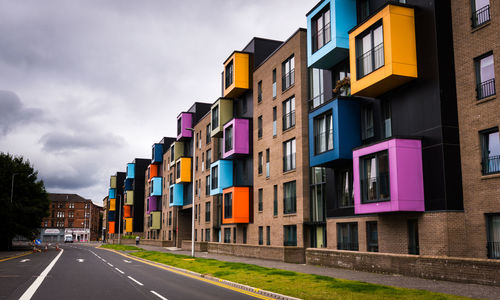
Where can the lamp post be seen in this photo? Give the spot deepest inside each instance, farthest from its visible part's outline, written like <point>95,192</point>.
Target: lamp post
<point>12,188</point>
<point>119,218</point>
<point>192,182</point>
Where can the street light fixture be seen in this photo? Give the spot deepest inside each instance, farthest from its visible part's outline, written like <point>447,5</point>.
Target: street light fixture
<point>192,183</point>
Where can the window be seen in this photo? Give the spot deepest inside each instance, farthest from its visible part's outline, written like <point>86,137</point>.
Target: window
<point>234,235</point>
<point>485,76</point>
<point>61,205</point>
<point>227,235</point>
<point>321,29</point>
<point>275,125</point>
<point>288,113</point>
<point>215,177</point>
<point>172,154</point>
<point>71,214</point>
<point>261,195</point>
<point>196,164</point>
<point>179,126</point>
<point>171,195</point>
<point>259,91</point>
<point>207,211</point>
<point>207,235</point>
<point>268,235</point>
<point>480,12</point>
<point>316,96</point>
<point>318,194</point>
<point>274,83</point>
<point>288,71</point>
<point>207,186</point>
<point>413,245</point>
<point>244,235</point>
<point>215,117</point>
<point>268,163</point>
<point>374,177</point>
<point>228,206</point>
<point>371,236</point>
<point>493,235</point>
<point>71,205</point>
<point>290,235</point>
<point>259,127</point>
<point>363,10</point>
<point>209,157</point>
<point>60,214</point>
<point>490,145</point>
<point>345,194</point>
<point>203,161</point>
<point>178,170</point>
<point>370,51</point>
<point>169,218</point>
<point>196,235</point>
<point>261,235</point>
<point>387,114</point>
<point>229,74</point>
<point>347,236</point>
<point>290,201</point>
<point>367,128</point>
<point>208,136</point>
<point>260,163</point>
<point>228,138</point>
<point>323,133</point>
<point>289,155</point>
<point>275,200</point>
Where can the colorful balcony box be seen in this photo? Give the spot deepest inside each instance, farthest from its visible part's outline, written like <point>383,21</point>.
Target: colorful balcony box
<point>155,220</point>
<point>388,177</point>
<point>129,225</point>
<point>153,171</point>
<point>221,176</point>
<point>236,140</point>
<point>184,121</point>
<point>156,186</point>
<point>236,205</point>
<point>112,193</point>
<point>111,227</point>
<point>236,75</point>
<point>129,197</point>
<point>111,215</point>
<point>177,195</point>
<point>130,171</point>
<point>153,202</point>
<point>129,184</point>
<point>176,152</point>
<point>221,113</point>
<point>334,130</point>
<point>112,182</point>
<point>157,154</point>
<point>127,211</point>
<point>112,204</point>
<point>328,26</point>
<point>183,170</point>
<point>382,50</point>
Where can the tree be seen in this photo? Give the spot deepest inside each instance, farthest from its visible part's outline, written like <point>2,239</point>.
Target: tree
<point>21,212</point>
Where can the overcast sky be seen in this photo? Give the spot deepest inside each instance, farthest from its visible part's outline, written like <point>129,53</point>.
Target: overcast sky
<point>87,86</point>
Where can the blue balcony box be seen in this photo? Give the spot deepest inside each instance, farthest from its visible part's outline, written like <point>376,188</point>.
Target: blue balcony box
<point>129,184</point>
<point>157,154</point>
<point>155,186</point>
<point>221,176</point>
<point>328,25</point>
<point>177,195</point>
<point>333,143</point>
<point>112,194</point>
<point>130,171</point>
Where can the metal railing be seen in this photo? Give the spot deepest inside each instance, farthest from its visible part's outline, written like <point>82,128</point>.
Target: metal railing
<point>486,89</point>
<point>289,120</point>
<point>370,60</point>
<point>481,16</point>
<point>348,246</point>
<point>493,249</point>
<point>491,165</point>
<point>323,141</point>
<point>288,80</point>
<point>380,190</point>
<point>316,101</point>
<point>289,162</point>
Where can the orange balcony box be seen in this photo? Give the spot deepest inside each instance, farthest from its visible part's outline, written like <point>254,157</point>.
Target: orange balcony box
<point>236,74</point>
<point>127,211</point>
<point>153,171</point>
<point>111,227</point>
<point>236,205</point>
<point>183,170</point>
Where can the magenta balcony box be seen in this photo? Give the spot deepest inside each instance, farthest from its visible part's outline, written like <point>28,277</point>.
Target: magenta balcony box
<point>388,177</point>
<point>236,139</point>
<point>184,121</point>
<point>153,202</point>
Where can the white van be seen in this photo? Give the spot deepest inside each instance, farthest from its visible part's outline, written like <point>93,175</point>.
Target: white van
<point>68,238</point>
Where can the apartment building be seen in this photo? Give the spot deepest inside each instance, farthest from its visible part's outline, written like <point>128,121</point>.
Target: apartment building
<point>133,196</point>
<point>476,28</point>
<point>383,128</point>
<point>104,220</point>
<point>114,204</point>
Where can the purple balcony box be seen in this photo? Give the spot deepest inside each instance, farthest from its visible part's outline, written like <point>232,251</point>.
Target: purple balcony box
<point>152,204</point>
<point>388,177</point>
<point>236,138</point>
<point>184,121</point>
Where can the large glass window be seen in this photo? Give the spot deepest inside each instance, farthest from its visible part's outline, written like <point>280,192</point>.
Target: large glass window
<point>290,235</point>
<point>290,197</point>
<point>289,150</point>
<point>268,163</point>
<point>345,195</point>
<point>208,136</point>
<point>288,113</point>
<point>261,235</point>
<point>268,235</point>
<point>261,196</point>
<point>275,200</point>
<point>490,144</point>
<point>340,72</point>
<point>316,96</point>
<point>318,194</point>
<point>274,83</point>
<point>275,125</point>
<point>485,76</point>
<point>215,117</point>
<point>288,71</point>
<point>228,206</point>
<point>370,51</point>
<point>259,127</point>
<point>374,177</point>
<point>387,114</point>
<point>371,236</point>
<point>347,236</point>
<point>228,139</point>
<point>179,126</point>
<point>413,244</point>
<point>229,74</point>
<point>323,133</point>
<point>321,33</point>
<point>207,186</point>
<point>207,211</point>
<point>260,162</point>
<point>209,157</point>
<point>367,127</point>
<point>215,177</point>
<point>480,12</point>
<point>493,235</point>
<point>259,91</point>
<point>171,198</point>
<point>227,235</point>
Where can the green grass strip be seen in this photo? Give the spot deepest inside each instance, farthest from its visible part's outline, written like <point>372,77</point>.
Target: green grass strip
<point>300,285</point>
<point>121,247</point>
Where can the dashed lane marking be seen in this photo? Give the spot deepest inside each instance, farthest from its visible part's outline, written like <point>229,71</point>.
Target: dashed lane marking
<point>110,265</point>
<point>120,271</point>
<point>158,295</point>
<point>135,281</point>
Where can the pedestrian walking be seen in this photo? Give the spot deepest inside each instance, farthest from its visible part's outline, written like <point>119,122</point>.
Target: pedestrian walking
<point>137,240</point>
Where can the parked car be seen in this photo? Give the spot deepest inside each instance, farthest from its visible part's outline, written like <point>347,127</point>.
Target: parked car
<point>68,238</point>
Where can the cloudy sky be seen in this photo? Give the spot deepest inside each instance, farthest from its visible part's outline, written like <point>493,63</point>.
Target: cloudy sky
<point>87,86</point>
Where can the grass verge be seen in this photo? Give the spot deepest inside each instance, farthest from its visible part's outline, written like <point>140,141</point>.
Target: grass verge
<point>121,247</point>
<point>305,286</point>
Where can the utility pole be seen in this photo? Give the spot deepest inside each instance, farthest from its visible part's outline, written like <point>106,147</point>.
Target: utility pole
<point>192,182</point>
<point>90,222</point>
<point>12,188</point>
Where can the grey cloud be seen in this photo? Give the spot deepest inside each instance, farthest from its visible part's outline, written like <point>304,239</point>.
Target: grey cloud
<point>13,112</point>
<point>61,141</point>
<point>68,181</point>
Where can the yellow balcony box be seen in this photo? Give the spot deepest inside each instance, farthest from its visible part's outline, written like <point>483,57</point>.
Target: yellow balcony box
<point>236,74</point>
<point>383,52</point>
<point>129,224</point>
<point>112,182</point>
<point>183,170</point>
<point>112,204</point>
<point>129,197</point>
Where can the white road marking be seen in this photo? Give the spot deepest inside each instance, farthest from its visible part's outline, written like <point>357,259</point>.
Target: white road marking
<point>134,280</point>
<point>25,260</point>
<point>38,281</point>
<point>103,259</point>
<point>159,296</point>
<point>127,261</point>
<point>120,271</point>
<point>80,259</point>
<point>110,265</point>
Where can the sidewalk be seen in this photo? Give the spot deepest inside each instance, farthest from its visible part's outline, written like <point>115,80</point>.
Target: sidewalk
<point>447,287</point>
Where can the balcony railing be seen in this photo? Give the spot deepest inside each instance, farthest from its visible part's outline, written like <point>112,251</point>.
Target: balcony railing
<point>375,189</point>
<point>348,246</point>
<point>370,60</point>
<point>486,89</point>
<point>491,165</point>
<point>324,34</point>
<point>316,101</point>
<point>493,249</point>
<point>323,141</point>
<point>481,16</point>
<point>289,120</point>
<point>288,80</point>
<point>289,162</point>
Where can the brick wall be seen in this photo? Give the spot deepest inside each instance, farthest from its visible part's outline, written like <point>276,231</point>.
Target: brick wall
<point>280,253</point>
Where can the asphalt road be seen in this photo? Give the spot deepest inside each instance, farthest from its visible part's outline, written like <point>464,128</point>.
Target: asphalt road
<point>84,272</point>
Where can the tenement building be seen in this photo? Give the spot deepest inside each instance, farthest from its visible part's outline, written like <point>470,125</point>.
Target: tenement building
<point>475,42</point>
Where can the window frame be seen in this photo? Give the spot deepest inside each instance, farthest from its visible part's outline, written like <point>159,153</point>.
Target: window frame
<point>288,73</point>
<point>290,201</point>
<point>325,31</point>
<point>364,194</point>
<point>485,158</point>
<point>358,44</point>
<point>288,113</point>
<point>229,74</point>
<point>352,235</point>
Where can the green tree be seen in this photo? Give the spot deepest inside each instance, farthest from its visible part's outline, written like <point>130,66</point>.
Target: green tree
<point>22,211</point>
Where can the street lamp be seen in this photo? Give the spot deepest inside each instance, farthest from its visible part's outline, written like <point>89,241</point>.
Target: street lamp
<point>119,218</point>
<point>12,187</point>
<point>192,183</point>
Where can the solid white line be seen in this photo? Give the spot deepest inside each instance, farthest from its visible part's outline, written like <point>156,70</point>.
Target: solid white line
<point>120,271</point>
<point>159,296</point>
<point>110,265</point>
<point>134,280</point>
<point>38,281</point>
